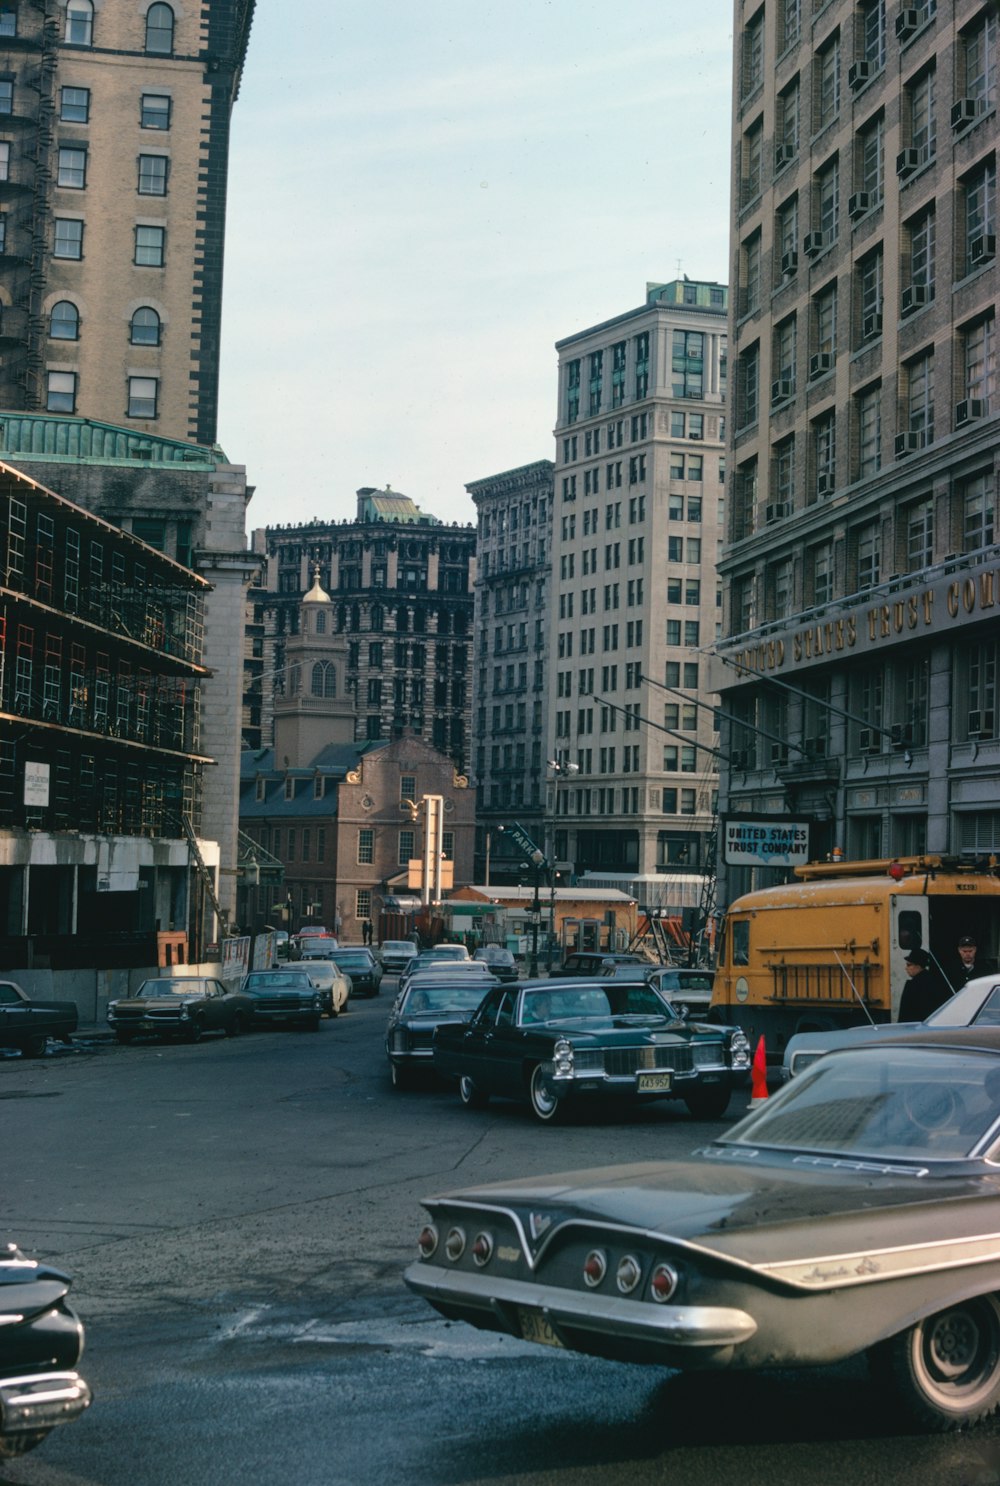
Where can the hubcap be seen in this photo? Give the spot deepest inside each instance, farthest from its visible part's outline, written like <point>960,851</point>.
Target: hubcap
<point>953,1344</point>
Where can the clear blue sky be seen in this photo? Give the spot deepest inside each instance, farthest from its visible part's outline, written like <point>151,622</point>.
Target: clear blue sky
<point>423,199</point>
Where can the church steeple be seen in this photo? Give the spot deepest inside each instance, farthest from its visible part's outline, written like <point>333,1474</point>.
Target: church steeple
<point>316,708</point>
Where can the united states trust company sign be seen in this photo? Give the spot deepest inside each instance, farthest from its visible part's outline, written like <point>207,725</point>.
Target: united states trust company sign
<point>934,610</point>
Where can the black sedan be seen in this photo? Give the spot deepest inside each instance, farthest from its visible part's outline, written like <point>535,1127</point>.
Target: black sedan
<point>856,1211</point>
<point>360,966</point>
<point>185,1006</point>
<point>584,1041</point>
<point>427,1002</point>
<point>498,961</point>
<point>284,998</point>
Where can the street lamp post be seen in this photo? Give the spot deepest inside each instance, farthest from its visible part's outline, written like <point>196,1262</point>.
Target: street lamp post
<point>560,770</point>
<point>537,858</point>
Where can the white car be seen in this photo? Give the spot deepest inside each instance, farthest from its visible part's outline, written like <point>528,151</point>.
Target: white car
<point>331,982</point>
<point>396,954</point>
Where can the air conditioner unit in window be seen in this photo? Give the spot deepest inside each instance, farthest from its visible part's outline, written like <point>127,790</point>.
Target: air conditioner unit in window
<point>869,740</point>
<point>858,204</point>
<point>813,243</point>
<point>907,161</point>
<point>906,23</point>
<point>779,753</point>
<point>816,747</point>
<point>820,363</point>
<point>783,154</point>
<point>964,113</point>
<point>782,389</point>
<point>902,734</point>
<point>871,326</point>
<point>696,436</point>
<point>859,73</point>
<point>982,249</point>
<point>909,442</point>
<point>913,298</point>
<point>775,512</point>
<point>981,724</point>
<point>789,262</point>
<point>972,407</point>
<point>824,483</point>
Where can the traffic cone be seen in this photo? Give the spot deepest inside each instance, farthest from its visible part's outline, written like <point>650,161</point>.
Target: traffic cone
<point>758,1074</point>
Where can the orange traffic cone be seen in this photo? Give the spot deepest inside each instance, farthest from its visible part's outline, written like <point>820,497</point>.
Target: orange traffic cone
<point>758,1074</point>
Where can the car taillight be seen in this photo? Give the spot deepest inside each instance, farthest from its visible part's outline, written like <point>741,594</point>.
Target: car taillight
<point>595,1267</point>
<point>428,1240</point>
<point>482,1248</point>
<point>663,1282</point>
<point>454,1244</point>
<point>628,1274</point>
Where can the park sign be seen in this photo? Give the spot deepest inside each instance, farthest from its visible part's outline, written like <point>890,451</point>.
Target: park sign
<point>765,841</point>
<point>524,843</point>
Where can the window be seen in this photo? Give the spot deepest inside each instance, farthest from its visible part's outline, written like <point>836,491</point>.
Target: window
<point>753,54</point>
<point>363,903</point>
<point>868,554</point>
<point>919,105</point>
<point>919,536</point>
<point>824,435</point>
<point>783,478</point>
<point>596,361</point>
<point>60,392</point>
<point>406,847</point>
<point>978,512</point>
<point>3,233</point>
<point>784,356</point>
<point>821,570</point>
<point>869,164</point>
<point>160,30</point>
<point>68,238</point>
<point>142,393</point>
<point>827,201</point>
<point>827,82</point>
<point>786,135</point>
<point>145,327</point>
<point>641,350</point>
<point>780,578</point>
<point>920,233</point>
<point>72,167</point>
<point>872,37</point>
<point>688,364</point>
<point>869,289</point>
<point>749,408</point>
<point>64,321</point>
<point>152,175</point>
<point>869,421</point>
<point>753,159</point>
<point>154,111</point>
<point>150,244</point>
<point>8,20</point>
<point>978,59</point>
<point>6,95</point>
<point>80,22</point>
<point>919,383</point>
<point>824,330</point>
<point>979,362</point>
<point>74,105</point>
<point>572,391</point>
<point>979,194</point>
<point>366,847</point>
<point>791,22</point>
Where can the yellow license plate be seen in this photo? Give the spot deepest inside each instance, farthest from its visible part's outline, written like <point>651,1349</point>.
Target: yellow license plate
<point>535,1328</point>
<point>655,1083</point>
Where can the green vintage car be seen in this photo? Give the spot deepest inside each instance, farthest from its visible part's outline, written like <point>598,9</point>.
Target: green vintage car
<point>582,1042</point>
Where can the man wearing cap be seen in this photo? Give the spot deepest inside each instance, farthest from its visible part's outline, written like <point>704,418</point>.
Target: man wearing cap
<point>969,964</point>
<point>922,993</point>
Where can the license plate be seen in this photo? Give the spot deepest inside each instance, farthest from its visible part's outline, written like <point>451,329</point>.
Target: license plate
<point>535,1328</point>
<point>655,1083</point>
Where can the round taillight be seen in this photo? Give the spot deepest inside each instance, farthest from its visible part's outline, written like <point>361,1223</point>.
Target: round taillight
<point>663,1282</point>
<point>595,1267</point>
<point>454,1244</point>
<point>897,871</point>
<point>628,1274</point>
<point>482,1248</point>
<point>428,1241</point>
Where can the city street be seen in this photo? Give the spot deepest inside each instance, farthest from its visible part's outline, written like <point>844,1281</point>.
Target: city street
<point>237,1216</point>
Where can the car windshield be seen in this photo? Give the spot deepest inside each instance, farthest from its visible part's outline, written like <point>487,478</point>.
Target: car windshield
<point>462,996</point>
<point>495,956</point>
<point>977,1003</point>
<point>597,1003</point>
<point>348,961</point>
<point>916,1102</point>
<point>279,980</point>
<point>153,988</point>
<point>398,947</point>
<point>682,982</point>
<point>447,952</point>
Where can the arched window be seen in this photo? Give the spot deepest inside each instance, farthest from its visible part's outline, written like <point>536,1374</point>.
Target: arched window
<point>294,680</point>
<point>144,329</point>
<point>330,682</point>
<point>317,678</point>
<point>324,679</point>
<point>160,30</point>
<point>64,321</point>
<point>376,617</point>
<point>80,22</point>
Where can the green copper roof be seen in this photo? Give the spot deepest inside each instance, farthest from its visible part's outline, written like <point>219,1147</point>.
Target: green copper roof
<point>388,505</point>
<point>39,436</point>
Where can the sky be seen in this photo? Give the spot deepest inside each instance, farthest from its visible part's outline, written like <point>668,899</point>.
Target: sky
<point>423,199</point>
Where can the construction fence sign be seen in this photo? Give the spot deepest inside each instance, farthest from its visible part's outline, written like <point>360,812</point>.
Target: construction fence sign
<point>765,841</point>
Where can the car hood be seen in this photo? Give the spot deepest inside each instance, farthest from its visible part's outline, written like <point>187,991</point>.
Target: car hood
<point>297,991</point>
<point>157,1003</point>
<point>665,1032</point>
<point>774,1216</point>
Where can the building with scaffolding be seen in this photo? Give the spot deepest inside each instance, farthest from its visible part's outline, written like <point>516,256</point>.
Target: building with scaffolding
<point>401,585</point>
<point>101,756</point>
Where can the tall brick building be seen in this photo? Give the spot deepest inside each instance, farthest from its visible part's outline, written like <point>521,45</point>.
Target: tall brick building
<point>860,648</point>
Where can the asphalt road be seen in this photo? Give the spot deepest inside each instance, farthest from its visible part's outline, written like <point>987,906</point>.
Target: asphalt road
<point>237,1216</point>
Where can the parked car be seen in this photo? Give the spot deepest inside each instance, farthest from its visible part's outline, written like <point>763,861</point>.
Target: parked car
<point>499,961</point>
<point>585,1042</point>
<point>853,1212</point>
<point>441,954</point>
<point>283,996</point>
<point>361,967</point>
<point>420,966</point>
<point>428,1001</point>
<point>315,946</point>
<point>594,962</point>
<point>28,1024</point>
<point>395,954</point>
<point>977,1004</point>
<point>689,990</point>
<point>41,1341</point>
<point>184,1006</point>
<point>281,944</point>
<point>333,985</point>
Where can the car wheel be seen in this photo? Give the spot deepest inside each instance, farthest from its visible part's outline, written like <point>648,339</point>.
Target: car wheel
<point>125,1037</point>
<point>471,1095</point>
<point>34,1047</point>
<point>945,1370</point>
<point>194,1031</point>
<point>544,1104</point>
<point>708,1104</point>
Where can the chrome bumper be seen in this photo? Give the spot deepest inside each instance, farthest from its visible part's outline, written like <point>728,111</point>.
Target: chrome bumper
<point>41,1401</point>
<point>670,1325</point>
